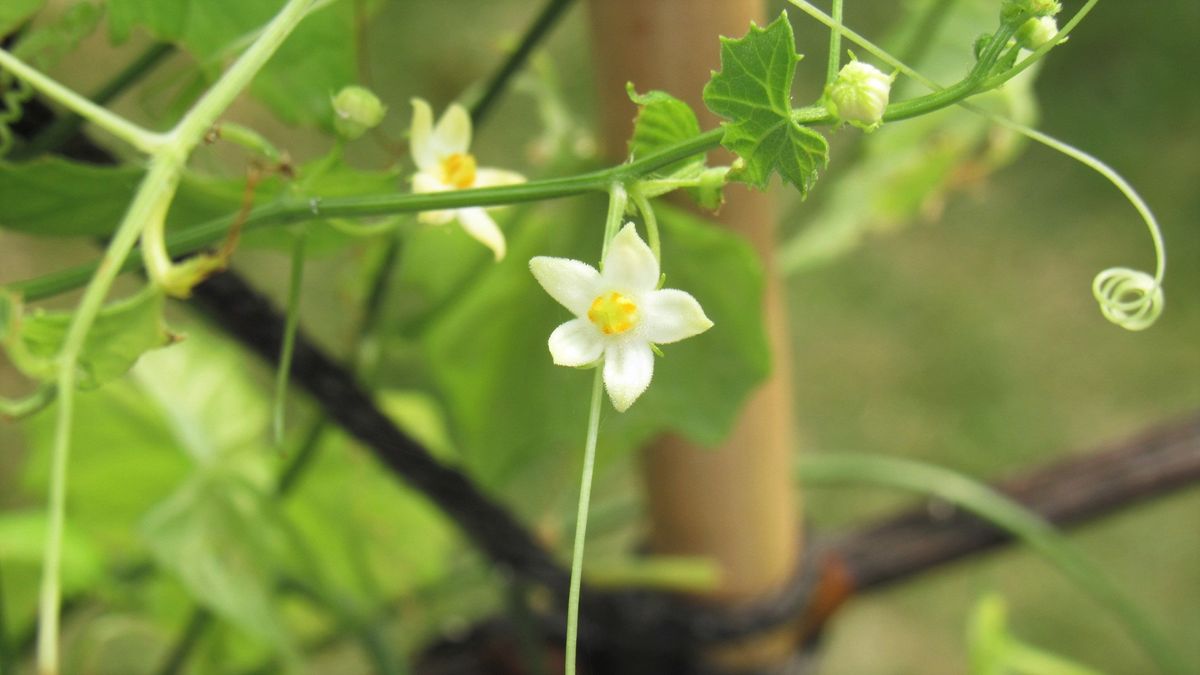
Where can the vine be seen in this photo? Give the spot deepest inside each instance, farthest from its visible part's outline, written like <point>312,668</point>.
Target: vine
<point>761,126</point>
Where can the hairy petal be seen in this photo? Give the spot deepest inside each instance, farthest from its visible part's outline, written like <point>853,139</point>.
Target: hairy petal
<point>670,316</point>
<point>630,265</point>
<point>576,343</point>
<point>628,367</point>
<point>480,225</point>
<point>573,284</point>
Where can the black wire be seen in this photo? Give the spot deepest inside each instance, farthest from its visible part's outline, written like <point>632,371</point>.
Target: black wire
<point>550,14</point>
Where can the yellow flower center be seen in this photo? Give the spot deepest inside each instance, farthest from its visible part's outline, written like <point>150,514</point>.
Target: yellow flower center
<point>459,170</point>
<point>613,313</point>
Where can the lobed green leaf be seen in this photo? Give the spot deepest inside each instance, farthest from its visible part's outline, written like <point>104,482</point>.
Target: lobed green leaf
<point>753,90</point>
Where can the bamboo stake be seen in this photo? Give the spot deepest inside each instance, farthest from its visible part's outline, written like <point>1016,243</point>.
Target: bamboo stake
<point>734,503</point>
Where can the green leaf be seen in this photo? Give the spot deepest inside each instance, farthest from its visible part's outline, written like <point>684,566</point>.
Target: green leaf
<point>753,91</point>
<point>23,536</point>
<point>220,417</point>
<point>219,535</point>
<point>514,411</point>
<point>662,121</point>
<point>122,332</point>
<point>15,12</point>
<point>372,534</point>
<point>58,197</point>
<point>315,62</point>
<point>124,464</point>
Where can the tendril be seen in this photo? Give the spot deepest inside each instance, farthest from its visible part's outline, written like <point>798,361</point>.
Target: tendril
<point>14,93</point>
<point>1130,298</point>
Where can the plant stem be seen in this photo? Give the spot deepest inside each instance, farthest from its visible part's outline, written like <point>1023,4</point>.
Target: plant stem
<point>1038,53</point>
<point>835,45</point>
<point>536,32</point>
<point>617,198</point>
<point>289,334</point>
<point>197,623</point>
<point>169,153</point>
<point>1024,525</point>
<point>7,658</point>
<point>140,138</point>
<point>648,218</point>
<point>581,516</point>
<point>197,121</point>
<point>293,210</point>
<point>66,126</point>
<point>161,175</point>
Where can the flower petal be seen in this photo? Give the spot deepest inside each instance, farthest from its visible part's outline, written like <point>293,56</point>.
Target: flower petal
<point>480,225</point>
<point>485,177</point>
<point>573,284</point>
<point>628,367</point>
<point>670,315</point>
<point>426,181</point>
<point>420,136</point>
<point>439,217</point>
<point>630,265</point>
<point>453,132</point>
<point>576,343</point>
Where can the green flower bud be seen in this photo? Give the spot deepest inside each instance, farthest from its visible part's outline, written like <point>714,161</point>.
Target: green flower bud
<point>356,110</point>
<point>1036,32</point>
<point>859,95</point>
<point>1034,8</point>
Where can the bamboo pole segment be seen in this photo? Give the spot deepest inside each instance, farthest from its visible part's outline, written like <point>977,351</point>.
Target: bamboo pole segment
<point>735,503</point>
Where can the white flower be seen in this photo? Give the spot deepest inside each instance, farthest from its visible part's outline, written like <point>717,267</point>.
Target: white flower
<point>443,163</point>
<point>859,95</point>
<point>619,314</point>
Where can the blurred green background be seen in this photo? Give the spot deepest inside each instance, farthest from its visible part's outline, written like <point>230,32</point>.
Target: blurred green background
<point>965,335</point>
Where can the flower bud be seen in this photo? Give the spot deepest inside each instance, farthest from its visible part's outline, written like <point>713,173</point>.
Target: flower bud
<point>859,95</point>
<point>1034,8</point>
<point>1036,32</point>
<point>356,110</point>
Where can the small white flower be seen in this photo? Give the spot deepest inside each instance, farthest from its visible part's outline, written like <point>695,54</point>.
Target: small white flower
<point>619,314</point>
<point>859,95</point>
<point>443,163</point>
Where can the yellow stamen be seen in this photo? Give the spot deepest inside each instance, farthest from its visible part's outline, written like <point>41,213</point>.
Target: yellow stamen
<point>613,313</point>
<point>459,170</point>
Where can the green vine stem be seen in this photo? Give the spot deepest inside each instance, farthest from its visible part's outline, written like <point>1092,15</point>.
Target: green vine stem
<point>292,323</point>
<point>289,210</point>
<point>169,153</point>
<point>1024,525</point>
<point>835,46</point>
<point>1128,298</point>
<point>581,518</point>
<point>66,126</point>
<point>142,139</point>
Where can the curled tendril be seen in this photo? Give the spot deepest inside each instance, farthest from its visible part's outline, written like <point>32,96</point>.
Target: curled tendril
<point>1129,298</point>
<point>14,93</point>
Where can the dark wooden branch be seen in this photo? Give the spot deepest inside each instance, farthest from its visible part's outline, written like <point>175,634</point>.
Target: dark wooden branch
<point>1071,492</point>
